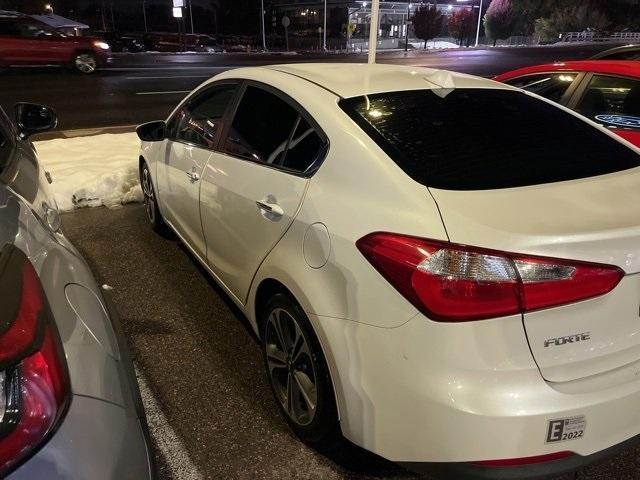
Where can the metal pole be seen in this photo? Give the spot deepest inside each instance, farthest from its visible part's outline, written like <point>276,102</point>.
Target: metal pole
<point>191,14</point>
<point>479,19</point>
<point>113,20</point>
<point>324,40</point>
<point>406,33</point>
<point>144,15</point>
<point>104,24</point>
<point>373,30</point>
<point>264,38</point>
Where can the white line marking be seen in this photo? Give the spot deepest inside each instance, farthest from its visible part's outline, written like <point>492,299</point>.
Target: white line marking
<point>163,93</point>
<point>173,450</point>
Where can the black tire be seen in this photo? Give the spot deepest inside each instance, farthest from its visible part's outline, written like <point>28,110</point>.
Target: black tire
<point>85,63</point>
<point>322,429</point>
<point>150,203</point>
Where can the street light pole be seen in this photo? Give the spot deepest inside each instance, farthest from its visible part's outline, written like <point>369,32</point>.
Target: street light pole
<point>324,39</point>
<point>373,30</point>
<point>406,33</point>
<point>479,20</point>
<point>104,24</point>
<point>191,15</point>
<point>264,39</point>
<point>144,16</point>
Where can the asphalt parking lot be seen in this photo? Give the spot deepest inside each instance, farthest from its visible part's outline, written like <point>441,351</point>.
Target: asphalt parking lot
<point>210,409</point>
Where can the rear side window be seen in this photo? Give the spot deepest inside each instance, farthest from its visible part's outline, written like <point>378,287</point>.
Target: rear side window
<point>266,129</point>
<point>478,139</point>
<point>261,127</point>
<point>304,147</point>
<point>612,101</point>
<point>548,85</point>
<point>9,28</point>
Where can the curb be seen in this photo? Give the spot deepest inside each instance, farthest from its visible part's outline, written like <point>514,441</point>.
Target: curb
<point>83,132</point>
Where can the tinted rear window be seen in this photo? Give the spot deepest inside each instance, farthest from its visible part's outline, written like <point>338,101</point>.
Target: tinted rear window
<point>477,139</point>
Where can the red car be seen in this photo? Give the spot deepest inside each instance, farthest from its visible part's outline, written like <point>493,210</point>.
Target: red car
<point>606,91</point>
<point>25,41</point>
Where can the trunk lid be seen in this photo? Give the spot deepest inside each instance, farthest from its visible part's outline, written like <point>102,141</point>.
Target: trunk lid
<point>594,219</point>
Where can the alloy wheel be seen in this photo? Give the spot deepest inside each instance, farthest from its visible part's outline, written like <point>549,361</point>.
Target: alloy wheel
<point>85,63</point>
<point>149,197</point>
<point>291,367</point>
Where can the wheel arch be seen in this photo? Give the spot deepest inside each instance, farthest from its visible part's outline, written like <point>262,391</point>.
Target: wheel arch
<point>269,286</point>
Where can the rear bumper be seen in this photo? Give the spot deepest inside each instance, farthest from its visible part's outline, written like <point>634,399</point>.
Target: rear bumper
<point>429,392</point>
<point>552,469</point>
<point>96,439</point>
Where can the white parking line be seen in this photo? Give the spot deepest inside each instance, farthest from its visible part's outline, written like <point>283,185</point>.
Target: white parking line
<point>173,450</point>
<point>163,93</point>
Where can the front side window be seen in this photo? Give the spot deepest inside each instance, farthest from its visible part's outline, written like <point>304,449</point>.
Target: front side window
<point>479,139</point>
<point>199,122</point>
<point>612,101</point>
<point>548,85</point>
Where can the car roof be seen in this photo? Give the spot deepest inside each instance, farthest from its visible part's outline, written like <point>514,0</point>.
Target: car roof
<point>622,48</point>
<point>629,68</point>
<point>354,79</point>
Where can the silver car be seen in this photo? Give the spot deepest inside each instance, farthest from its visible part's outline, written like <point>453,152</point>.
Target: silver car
<point>69,401</point>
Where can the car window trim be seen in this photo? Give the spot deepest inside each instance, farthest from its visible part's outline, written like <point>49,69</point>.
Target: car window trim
<point>581,92</point>
<point>322,153</point>
<point>568,93</point>
<point>190,100</point>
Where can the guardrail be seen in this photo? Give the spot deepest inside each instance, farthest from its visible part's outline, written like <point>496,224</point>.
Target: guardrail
<point>600,37</point>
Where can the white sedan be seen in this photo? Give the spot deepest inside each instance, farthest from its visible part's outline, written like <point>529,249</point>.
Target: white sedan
<point>441,268</point>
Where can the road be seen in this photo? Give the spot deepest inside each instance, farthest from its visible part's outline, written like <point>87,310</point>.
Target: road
<point>144,87</point>
<point>210,410</point>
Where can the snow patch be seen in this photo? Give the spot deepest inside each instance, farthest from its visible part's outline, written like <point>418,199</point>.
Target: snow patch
<point>92,171</point>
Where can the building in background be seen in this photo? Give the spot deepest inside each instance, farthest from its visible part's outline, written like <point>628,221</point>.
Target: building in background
<point>348,22</point>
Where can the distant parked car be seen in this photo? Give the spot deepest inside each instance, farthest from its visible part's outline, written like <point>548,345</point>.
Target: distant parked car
<point>70,406</point>
<point>25,41</point>
<point>121,43</point>
<point>625,52</point>
<point>606,91</point>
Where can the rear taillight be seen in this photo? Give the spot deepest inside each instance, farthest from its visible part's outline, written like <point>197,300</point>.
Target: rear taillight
<point>34,390</point>
<point>450,282</point>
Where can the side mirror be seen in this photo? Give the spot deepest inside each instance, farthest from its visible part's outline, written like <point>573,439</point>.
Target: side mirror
<point>152,131</point>
<point>32,118</point>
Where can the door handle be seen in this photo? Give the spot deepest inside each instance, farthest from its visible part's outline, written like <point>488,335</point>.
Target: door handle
<point>272,211</point>
<point>193,175</point>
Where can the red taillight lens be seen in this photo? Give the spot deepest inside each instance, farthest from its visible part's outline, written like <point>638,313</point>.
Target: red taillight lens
<point>35,379</point>
<point>451,282</point>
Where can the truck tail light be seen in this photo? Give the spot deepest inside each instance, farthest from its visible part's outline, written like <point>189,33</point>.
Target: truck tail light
<point>454,283</point>
<point>34,381</point>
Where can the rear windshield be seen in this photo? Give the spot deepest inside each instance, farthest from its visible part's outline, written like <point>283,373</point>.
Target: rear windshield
<point>479,139</point>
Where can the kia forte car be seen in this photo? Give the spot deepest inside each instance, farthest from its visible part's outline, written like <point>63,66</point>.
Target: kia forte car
<point>69,402</point>
<point>606,91</point>
<point>441,268</point>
